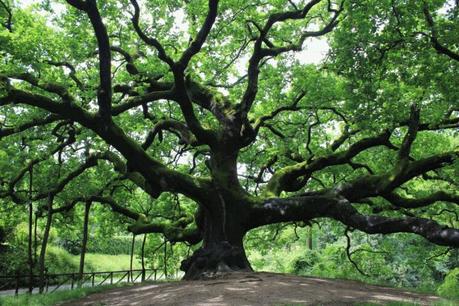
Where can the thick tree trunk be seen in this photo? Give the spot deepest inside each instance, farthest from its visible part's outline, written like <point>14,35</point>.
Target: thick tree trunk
<point>222,221</point>
<point>222,249</point>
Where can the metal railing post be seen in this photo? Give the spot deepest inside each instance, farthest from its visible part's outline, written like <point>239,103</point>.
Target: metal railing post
<point>72,279</point>
<point>16,290</point>
<point>46,281</point>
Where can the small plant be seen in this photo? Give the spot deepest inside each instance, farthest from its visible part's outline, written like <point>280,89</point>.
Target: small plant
<point>450,287</point>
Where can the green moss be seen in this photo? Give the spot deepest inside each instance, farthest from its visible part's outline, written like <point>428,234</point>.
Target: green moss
<point>282,178</point>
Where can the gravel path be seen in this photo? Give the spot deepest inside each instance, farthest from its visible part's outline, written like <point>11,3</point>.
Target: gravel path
<point>255,289</point>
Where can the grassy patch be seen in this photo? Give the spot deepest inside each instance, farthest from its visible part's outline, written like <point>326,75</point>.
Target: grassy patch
<point>104,262</point>
<point>450,286</point>
<point>439,303</point>
<point>59,261</point>
<point>53,298</point>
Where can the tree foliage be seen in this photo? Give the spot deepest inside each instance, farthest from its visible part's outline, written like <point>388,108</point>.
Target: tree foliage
<point>200,121</point>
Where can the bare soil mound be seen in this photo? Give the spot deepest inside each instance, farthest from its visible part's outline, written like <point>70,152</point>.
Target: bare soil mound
<point>256,289</point>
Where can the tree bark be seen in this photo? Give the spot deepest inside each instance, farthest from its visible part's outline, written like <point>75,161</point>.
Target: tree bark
<point>222,220</point>
<point>143,256</point>
<point>132,257</point>
<point>165,260</point>
<point>30,256</point>
<point>222,248</point>
<point>41,260</point>
<point>30,251</point>
<point>35,239</point>
<point>84,243</point>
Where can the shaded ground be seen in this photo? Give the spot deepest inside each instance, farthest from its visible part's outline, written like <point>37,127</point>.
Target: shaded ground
<point>255,289</point>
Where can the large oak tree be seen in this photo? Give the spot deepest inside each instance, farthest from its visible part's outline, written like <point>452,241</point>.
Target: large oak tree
<point>212,101</point>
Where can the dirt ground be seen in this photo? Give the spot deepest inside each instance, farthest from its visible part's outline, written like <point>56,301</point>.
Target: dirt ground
<point>255,289</point>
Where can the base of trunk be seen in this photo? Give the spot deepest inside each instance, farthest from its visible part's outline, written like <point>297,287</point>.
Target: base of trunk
<point>220,257</point>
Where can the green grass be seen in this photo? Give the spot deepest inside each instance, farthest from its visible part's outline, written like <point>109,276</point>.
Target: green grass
<point>59,261</point>
<point>439,303</point>
<point>103,262</point>
<point>53,298</point>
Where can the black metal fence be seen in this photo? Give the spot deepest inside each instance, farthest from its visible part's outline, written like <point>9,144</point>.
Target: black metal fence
<point>53,282</point>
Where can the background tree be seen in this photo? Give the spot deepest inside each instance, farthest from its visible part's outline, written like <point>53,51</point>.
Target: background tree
<point>215,109</point>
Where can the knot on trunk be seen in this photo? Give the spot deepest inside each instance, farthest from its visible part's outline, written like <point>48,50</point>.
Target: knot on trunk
<point>214,259</point>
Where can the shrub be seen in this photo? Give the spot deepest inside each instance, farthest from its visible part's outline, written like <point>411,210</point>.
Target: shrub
<point>111,245</point>
<point>450,287</point>
<point>59,260</point>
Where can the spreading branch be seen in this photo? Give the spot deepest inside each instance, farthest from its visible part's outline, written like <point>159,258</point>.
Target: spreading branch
<point>104,95</point>
<point>287,178</point>
<point>439,47</point>
<point>413,126</point>
<point>72,73</point>
<point>8,23</point>
<point>28,125</point>
<point>308,207</point>
<point>438,196</point>
<point>178,230</point>
<point>260,52</point>
<point>130,66</point>
<point>149,40</point>
<point>50,87</point>
<point>176,127</point>
<point>201,37</point>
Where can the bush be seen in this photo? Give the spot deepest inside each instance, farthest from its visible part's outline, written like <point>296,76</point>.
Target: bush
<point>13,259</point>
<point>450,287</point>
<point>59,261</point>
<point>112,245</point>
<point>105,262</point>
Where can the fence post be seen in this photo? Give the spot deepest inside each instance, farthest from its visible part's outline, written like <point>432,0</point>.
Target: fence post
<point>46,276</point>
<point>73,278</point>
<point>16,290</point>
